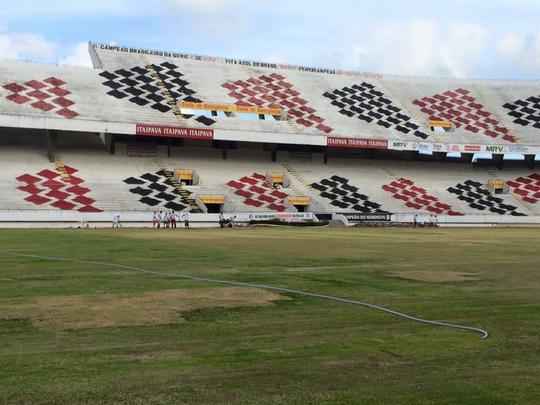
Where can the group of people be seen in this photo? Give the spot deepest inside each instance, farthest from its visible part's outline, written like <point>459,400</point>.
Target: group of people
<point>423,221</point>
<point>168,219</point>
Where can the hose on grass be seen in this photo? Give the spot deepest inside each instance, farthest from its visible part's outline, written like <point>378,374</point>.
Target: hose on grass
<point>483,333</point>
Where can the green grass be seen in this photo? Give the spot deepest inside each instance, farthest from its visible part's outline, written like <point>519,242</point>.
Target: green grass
<point>295,351</point>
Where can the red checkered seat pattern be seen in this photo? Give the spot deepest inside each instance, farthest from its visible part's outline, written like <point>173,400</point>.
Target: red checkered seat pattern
<point>48,188</point>
<point>256,193</point>
<point>464,111</point>
<point>49,95</point>
<point>526,188</point>
<point>275,91</point>
<point>418,198</point>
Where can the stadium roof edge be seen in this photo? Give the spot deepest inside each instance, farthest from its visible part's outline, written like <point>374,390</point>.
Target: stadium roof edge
<point>279,65</point>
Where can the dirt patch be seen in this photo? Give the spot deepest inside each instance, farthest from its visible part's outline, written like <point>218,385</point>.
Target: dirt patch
<point>152,308</point>
<point>435,276</point>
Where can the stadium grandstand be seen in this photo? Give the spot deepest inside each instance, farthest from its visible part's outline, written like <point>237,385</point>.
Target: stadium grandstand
<point>148,130</point>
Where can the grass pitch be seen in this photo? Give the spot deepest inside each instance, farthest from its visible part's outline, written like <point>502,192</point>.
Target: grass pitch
<point>83,334</point>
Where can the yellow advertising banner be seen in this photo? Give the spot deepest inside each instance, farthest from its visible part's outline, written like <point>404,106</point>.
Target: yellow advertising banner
<point>230,108</point>
<point>300,200</point>
<point>278,178</point>
<point>212,199</point>
<point>184,174</point>
<point>440,124</point>
<point>497,184</point>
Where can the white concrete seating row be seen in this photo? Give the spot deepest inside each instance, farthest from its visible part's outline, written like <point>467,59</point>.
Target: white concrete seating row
<point>125,91</point>
<point>340,100</point>
<point>103,182</point>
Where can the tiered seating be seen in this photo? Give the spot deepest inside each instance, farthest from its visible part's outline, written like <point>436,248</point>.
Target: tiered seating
<point>464,111</point>
<point>256,193</point>
<point>476,196</point>
<point>418,198</point>
<point>366,103</point>
<point>525,112</point>
<point>160,86</point>
<point>58,188</point>
<point>158,190</point>
<point>345,196</point>
<point>274,90</point>
<point>527,188</point>
<point>49,95</point>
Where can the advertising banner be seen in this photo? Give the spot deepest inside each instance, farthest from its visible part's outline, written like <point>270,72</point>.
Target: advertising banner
<point>425,148</point>
<point>229,108</point>
<point>402,145</point>
<point>472,148</point>
<point>163,131</point>
<point>358,218</point>
<point>269,216</point>
<point>356,143</point>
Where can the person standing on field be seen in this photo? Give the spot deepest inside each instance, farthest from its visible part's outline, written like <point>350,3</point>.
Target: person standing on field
<point>173,219</point>
<point>186,220</point>
<point>116,221</point>
<point>155,220</point>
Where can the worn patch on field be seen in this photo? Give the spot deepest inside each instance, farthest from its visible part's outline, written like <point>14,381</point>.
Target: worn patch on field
<point>152,308</point>
<point>435,276</point>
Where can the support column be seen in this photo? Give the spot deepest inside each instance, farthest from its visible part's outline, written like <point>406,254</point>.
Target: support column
<point>325,157</point>
<point>530,161</point>
<point>498,159</point>
<point>467,157</point>
<point>108,141</point>
<point>439,156</point>
<point>52,137</point>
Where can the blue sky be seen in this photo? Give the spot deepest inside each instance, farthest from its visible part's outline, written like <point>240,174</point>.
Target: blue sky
<point>458,38</point>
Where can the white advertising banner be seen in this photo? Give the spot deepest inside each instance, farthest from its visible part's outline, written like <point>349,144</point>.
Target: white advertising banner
<point>403,145</point>
<point>425,148</point>
<point>269,216</point>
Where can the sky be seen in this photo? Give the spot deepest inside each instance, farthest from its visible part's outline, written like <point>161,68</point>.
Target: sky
<point>495,39</point>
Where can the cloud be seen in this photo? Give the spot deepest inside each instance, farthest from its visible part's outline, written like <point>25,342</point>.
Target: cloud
<point>78,56</point>
<point>26,46</point>
<point>421,47</point>
<point>58,8</point>
<point>202,5</point>
<point>521,50</point>
<point>511,44</point>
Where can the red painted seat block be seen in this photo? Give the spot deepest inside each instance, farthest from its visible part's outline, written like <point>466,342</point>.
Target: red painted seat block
<point>275,91</point>
<point>49,187</point>
<point>417,198</point>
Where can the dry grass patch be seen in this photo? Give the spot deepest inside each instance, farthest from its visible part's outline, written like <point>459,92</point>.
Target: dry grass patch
<point>435,276</point>
<point>152,308</point>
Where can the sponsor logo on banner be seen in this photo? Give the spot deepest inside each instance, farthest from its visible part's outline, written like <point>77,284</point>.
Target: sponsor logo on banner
<point>356,143</point>
<point>495,149</point>
<point>426,148</point>
<point>472,148</point>
<point>454,148</point>
<point>401,145</point>
<point>519,149</point>
<point>229,108</point>
<point>440,147</point>
<point>367,217</point>
<point>282,216</point>
<point>163,131</point>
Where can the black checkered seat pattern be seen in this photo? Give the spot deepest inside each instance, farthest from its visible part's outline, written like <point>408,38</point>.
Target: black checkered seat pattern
<point>525,112</point>
<point>476,196</point>
<point>345,196</point>
<point>155,190</point>
<point>153,86</point>
<point>366,103</point>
